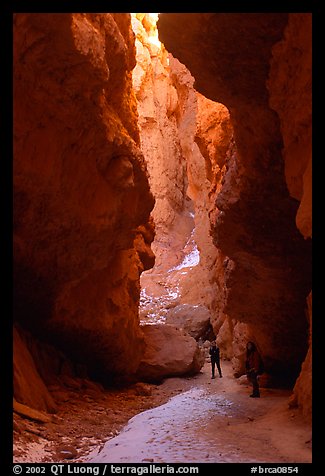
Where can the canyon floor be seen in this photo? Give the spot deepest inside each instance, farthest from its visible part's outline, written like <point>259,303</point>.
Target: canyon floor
<point>193,419</point>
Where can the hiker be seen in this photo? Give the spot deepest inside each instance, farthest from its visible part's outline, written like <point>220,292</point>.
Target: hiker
<point>215,358</point>
<point>254,367</point>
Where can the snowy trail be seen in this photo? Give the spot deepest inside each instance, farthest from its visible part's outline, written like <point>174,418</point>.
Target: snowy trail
<point>149,436</point>
<point>213,422</point>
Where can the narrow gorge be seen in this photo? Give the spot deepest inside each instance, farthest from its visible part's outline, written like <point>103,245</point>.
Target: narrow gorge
<point>162,200</point>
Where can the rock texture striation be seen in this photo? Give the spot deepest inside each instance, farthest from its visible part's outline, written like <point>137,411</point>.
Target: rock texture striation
<point>195,320</point>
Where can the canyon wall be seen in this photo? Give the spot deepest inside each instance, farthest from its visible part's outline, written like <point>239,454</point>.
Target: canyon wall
<point>82,201</point>
<point>98,115</point>
<point>248,62</point>
<point>289,85</point>
<point>157,101</point>
<point>196,118</point>
<point>185,139</point>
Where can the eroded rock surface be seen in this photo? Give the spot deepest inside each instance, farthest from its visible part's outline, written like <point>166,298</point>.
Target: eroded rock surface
<point>82,230</point>
<point>195,320</point>
<point>186,139</point>
<point>82,196</point>
<point>267,270</point>
<point>168,352</point>
<point>29,388</point>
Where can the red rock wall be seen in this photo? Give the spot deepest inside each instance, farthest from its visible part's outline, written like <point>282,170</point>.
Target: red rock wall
<point>290,96</point>
<point>214,137</point>
<point>302,391</point>
<point>268,276</point>
<point>81,193</point>
<point>289,86</point>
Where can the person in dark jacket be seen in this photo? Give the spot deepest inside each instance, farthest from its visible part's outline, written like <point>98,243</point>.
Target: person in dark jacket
<point>215,358</point>
<point>254,367</point>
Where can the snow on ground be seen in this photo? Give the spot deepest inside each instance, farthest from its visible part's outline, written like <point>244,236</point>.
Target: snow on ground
<point>204,420</point>
<point>214,421</point>
<point>155,308</point>
<point>147,435</point>
<point>154,305</point>
<point>192,255</point>
<point>189,261</point>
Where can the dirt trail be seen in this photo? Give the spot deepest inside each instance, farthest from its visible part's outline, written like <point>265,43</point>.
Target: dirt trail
<point>192,419</point>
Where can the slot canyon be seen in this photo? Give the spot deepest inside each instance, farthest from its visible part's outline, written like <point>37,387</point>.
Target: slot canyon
<point>162,200</point>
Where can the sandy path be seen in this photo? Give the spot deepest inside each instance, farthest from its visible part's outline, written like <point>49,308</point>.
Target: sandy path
<point>213,421</point>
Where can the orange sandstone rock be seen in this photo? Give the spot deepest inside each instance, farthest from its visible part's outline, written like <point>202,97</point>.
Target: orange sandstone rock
<point>80,187</point>
<point>267,278</point>
<point>169,352</point>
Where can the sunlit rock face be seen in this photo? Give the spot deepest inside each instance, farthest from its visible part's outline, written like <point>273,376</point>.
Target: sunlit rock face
<point>205,133</point>
<point>176,129</point>
<point>267,266</point>
<point>188,143</point>
<point>81,196</point>
<point>214,140</point>
<point>173,214</point>
<point>157,101</point>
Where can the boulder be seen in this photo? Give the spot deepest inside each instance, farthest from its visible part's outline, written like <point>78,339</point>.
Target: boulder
<point>169,352</point>
<point>195,320</point>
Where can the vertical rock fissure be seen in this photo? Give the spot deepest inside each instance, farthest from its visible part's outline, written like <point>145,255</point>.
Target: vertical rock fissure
<point>167,107</point>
